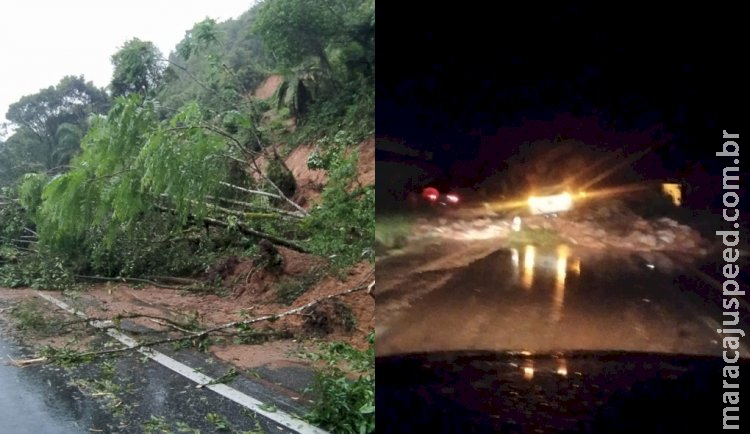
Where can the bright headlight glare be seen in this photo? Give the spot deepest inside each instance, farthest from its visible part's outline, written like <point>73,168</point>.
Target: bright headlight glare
<point>548,204</point>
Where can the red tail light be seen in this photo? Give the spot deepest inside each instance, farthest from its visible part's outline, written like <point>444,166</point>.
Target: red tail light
<point>431,194</point>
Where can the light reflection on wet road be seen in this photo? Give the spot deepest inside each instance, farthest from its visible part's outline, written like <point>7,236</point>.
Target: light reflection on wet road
<point>544,300</point>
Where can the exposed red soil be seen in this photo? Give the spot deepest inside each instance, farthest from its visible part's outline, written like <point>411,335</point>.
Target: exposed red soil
<point>309,182</point>
<point>12,296</point>
<point>254,292</point>
<point>348,318</point>
<point>268,87</point>
<point>275,354</point>
<point>366,163</point>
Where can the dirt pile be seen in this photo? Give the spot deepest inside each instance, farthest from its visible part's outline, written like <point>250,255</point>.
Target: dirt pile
<point>626,232</point>
<point>310,182</point>
<point>366,163</point>
<point>254,291</point>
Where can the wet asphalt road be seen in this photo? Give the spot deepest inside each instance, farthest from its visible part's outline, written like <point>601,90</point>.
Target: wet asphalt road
<point>131,394</point>
<point>25,402</point>
<point>462,297</point>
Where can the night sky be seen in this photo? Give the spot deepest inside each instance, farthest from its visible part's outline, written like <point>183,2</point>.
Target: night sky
<point>612,77</point>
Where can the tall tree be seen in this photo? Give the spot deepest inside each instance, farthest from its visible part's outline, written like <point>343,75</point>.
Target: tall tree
<point>139,67</point>
<point>72,100</point>
<point>295,30</point>
<point>49,126</point>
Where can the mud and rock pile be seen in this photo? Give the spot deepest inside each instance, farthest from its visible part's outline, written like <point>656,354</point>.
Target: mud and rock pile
<point>625,231</point>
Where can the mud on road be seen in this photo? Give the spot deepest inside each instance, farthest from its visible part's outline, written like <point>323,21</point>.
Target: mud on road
<point>130,392</point>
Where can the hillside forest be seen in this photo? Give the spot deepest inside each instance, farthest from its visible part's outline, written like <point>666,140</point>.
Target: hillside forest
<point>241,160</point>
<point>177,163</point>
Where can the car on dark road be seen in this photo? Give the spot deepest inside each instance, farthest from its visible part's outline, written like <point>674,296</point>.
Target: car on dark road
<point>447,197</point>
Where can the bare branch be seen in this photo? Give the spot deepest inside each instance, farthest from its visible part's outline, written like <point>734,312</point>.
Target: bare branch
<point>243,229</point>
<point>205,333</point>
<point>110,175</point>
<point>189,74</point>
<point>23,249</point>
<point>16,240</point>
<point>117,318</point>
<point>221,209</point>
<point>254,207</point>
<point>245,190</point>
<point>252,155</point>
<point>248,231</point>
<point>294,311</point>
<point>281,194</point>
<point>176,280</point>
<point>133,279</point>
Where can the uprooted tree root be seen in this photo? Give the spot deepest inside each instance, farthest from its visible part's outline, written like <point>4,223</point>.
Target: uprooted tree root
<point>327,316</point>
<point>70,356</point>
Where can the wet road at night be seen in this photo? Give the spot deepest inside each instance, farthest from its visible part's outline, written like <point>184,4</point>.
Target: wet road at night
<point>475,296</point>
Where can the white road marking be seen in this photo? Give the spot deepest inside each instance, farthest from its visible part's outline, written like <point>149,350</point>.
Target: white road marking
<point>235,395</point>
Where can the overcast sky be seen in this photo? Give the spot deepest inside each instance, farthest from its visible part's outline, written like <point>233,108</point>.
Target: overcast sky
<point>41,41</point>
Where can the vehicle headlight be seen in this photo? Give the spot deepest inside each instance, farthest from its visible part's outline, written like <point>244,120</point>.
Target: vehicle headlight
<point>549,204</point>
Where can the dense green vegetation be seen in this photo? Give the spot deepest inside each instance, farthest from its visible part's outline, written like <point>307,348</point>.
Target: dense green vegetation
<point>168,168</point>
<point>176,165</point>
<point>344,405</point>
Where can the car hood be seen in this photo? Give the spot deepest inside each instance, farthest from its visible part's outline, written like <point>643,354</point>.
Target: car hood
<point>576,391</point>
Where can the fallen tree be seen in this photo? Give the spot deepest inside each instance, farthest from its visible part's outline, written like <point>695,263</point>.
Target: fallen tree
<point>186,284</point>
<point>52,356</point>
<point>243,228</point>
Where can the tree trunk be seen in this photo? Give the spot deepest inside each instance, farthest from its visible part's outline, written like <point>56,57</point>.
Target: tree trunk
<point>245,230</point>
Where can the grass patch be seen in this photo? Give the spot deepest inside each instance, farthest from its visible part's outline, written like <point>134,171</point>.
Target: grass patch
<point>343,355</point>
<point>349,321</point>
<point>65,356</point>
<point>30,316</point>
<point>202,344</point>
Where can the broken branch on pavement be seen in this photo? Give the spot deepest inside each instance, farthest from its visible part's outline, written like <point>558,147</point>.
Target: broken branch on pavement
<point>192,335</point>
